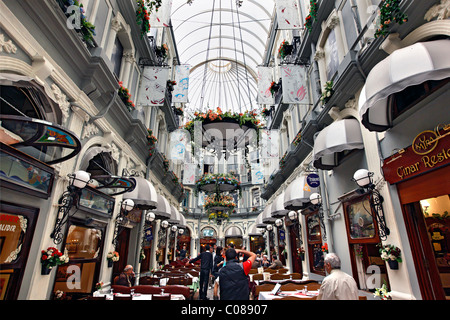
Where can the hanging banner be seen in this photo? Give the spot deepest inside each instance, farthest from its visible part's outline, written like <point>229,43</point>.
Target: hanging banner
<point>264,81</point>
<point>257,174</point>
<point>178,141</point>
<point>189,173</point>
<point>294,84</point>
<point>161,17</point>
<point>288,14</point>
<point>153,86</point>
<point>180,91</point>
<point>270,142</point>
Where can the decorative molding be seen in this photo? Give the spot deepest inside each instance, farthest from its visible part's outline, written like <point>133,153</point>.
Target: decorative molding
<point>90,129</point>
<point>320,54</point>
<point>439,11</point>
<point>7,46</point>
<point>63,103</point>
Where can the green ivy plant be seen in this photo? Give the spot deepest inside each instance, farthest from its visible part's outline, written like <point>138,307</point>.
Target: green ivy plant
<point>390,13</point>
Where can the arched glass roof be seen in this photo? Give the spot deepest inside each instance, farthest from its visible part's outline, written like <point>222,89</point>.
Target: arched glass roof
<point>223,43</point>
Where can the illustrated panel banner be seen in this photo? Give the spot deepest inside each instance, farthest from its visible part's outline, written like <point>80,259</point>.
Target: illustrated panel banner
<point>178,145</point>
<point>180,91</point>
<point>264,81</point>
<point>189,173</point>
<point>270,143</point>
<point>161,17</point>
<point>153,87</point>
<point>257,174</point>
<point>288,14</point>
<point>294,84</point>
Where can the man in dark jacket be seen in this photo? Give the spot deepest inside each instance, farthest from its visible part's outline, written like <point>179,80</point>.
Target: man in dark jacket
<point>233,278</point>
<point>205,269</point>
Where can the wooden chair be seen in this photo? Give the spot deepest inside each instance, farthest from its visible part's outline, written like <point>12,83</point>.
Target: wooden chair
<point>295,275</point>
<point>292,287</point>
<point>149,281</point>
<point>96,298</point>
<point>253,271</point>
<point>258,276</point>
<point>116,278</point>
<point>262,287</point>
<point>161,297</point>
<point>270,270</point>
<point>282,270</point>
<point>194,273</point>
<point>313,286</point>
<point>362,298</point>
<point>277,276</point>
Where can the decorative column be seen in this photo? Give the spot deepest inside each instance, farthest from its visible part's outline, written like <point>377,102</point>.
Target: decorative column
<point>116,26</point>
<point>129,60</point>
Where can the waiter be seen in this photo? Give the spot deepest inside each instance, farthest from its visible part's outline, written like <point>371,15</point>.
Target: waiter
<point>205,269</point>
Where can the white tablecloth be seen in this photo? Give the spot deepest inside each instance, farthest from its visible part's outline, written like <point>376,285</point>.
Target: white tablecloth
<point>266,295</point>
<point>137,296</point>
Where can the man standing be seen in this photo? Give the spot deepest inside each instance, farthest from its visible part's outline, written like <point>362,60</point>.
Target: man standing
<point>233,277</point>
<point>338,285</point>
<point>205,269</point>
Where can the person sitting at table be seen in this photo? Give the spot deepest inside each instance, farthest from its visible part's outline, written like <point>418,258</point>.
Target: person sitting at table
<point>127,277</point>
<point>276,264</point>
<point>337,285</point>
<point>233,277</point>
<point>264,262</point>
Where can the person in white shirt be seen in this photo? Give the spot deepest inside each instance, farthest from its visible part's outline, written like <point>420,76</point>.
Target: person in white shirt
<point>338,285</point>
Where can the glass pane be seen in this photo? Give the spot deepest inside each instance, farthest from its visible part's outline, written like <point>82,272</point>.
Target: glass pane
<point>313,228</point>
<point>361,220</point>
<point>437,221</point>
<point>12,231</point>
<point>83,243</point>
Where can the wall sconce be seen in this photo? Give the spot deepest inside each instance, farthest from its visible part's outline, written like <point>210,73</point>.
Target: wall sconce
<point>164,224</point>
<point>316,204</point>
<point>180,231</point>
<point>150,217</point>
<point>77,181</point>
<point>315,199</point>
<point>293,215</point>
<point>363,179</point>
<point>174,228</point>
<point>269,227</point>
<point>126,206</point>
<point>278,223</point>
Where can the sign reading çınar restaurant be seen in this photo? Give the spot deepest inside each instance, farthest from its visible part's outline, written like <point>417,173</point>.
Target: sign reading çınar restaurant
<point>429,150</point>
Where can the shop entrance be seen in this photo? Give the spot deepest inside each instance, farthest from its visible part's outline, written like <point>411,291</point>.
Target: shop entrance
<point>426,207</point>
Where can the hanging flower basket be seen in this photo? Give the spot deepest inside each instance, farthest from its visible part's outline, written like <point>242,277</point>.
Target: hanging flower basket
<point>391,254</point>
<point>217,183</point>
<point>162,51</point>
<point>50,258</point>
<point>389,14</point>
<point>274,87</point>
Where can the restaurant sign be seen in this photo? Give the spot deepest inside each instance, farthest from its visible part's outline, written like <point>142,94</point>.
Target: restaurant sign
<point>429,150</point>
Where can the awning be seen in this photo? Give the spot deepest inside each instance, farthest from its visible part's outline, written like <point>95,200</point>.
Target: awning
<point>259,223</point>
<point>405,67</point>
<point>175,216</point>
<point>254,232</point>
<point>233,232</point>
<point>267,217</point>
<point>277,209</point>
<point>144,194</point>
<point>297,194</point>
<point>183,223</point>
<point>342,135</point>
<point>163,209</point>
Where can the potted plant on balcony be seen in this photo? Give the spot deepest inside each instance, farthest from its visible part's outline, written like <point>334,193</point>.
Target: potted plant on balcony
<point>274,87</point>
<point>285,49</point>
<point>171,84</point>
<point>112,256</point>
<point>265,112</point>
<point>327,92</point>
<point>312,16</point>
<point>179,111</point>
<point>125,96</point>
<point>50,258</point>
<point>162,51</point>
<point>151,139</point>
<point>389,13</point>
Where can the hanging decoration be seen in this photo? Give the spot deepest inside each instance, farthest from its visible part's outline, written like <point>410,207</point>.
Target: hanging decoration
<point>288,15</point>
<point>161,17</point>
<point>216,183</point>
<point>264,82</point>
<point>180,92</point>
<point>312,16</point>
<point>142,18</point>
<point>389,13</point>
<point>153,86</point>
<point>294,84</point>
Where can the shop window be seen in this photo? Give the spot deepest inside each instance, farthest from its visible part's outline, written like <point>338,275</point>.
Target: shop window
<point>404,100</point>
<point>314,237</point>
<point>83,245</point>
<point>16,233</point>
<point>363,238</point>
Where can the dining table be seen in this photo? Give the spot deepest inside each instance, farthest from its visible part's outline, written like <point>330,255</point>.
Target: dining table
<point>268,295</point>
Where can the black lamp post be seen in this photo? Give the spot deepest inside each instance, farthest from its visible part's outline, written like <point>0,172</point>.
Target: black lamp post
<point>77,181</point>
<point>363,179</point>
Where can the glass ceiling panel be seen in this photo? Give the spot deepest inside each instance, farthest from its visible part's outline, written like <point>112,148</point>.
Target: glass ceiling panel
<point>223,44</point>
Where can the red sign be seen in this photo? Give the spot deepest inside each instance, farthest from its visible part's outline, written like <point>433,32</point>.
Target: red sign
<point>429,150</point>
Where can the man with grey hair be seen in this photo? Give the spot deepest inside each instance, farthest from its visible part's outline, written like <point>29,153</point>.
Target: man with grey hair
<point>127,277</point>
<point>338,285</point>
